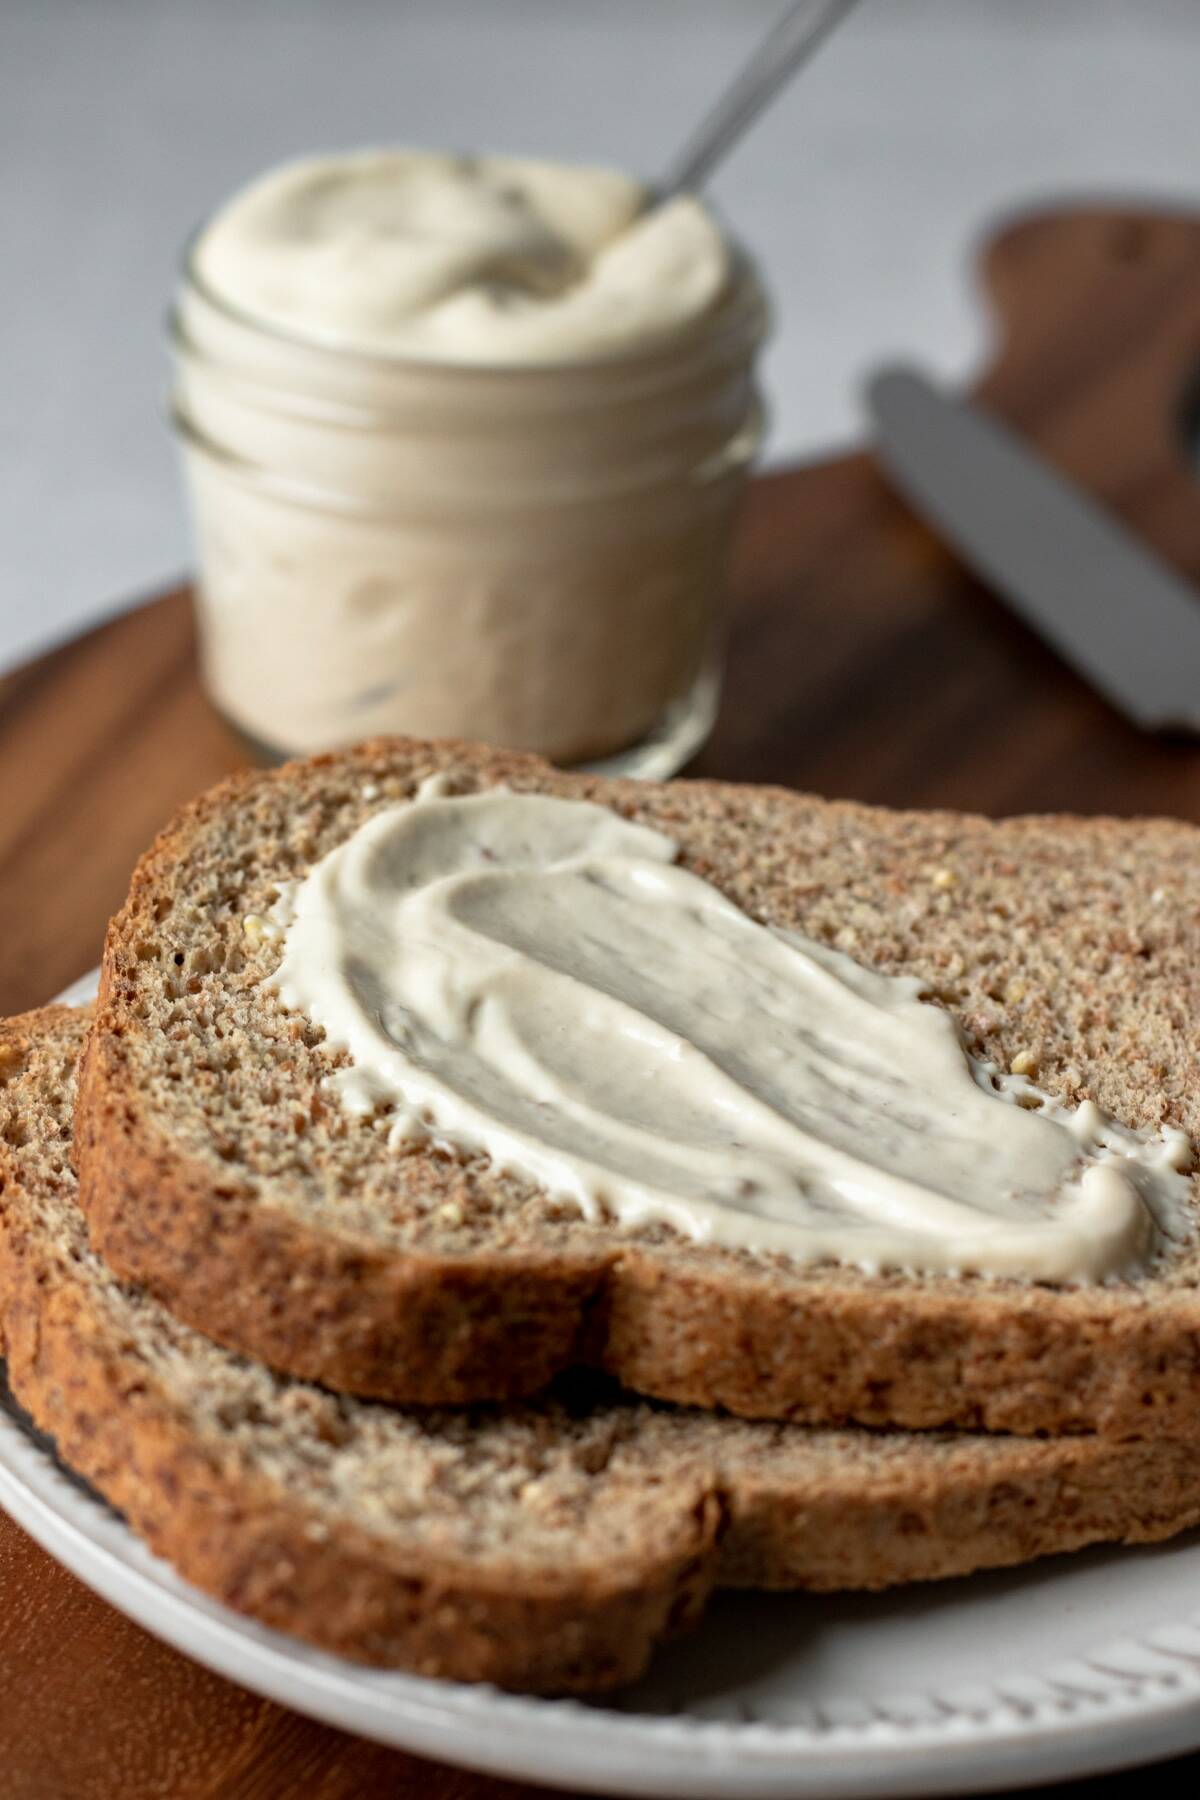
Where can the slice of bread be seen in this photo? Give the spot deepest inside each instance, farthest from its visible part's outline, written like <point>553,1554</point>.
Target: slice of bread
<point>215,1167</point>
<point>547,1546</point>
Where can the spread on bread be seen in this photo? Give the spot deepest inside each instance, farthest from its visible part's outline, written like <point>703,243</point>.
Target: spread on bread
<point>540,980</point>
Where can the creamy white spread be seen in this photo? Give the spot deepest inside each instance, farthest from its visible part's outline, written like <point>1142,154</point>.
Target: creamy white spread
<point>540,980</point>
<point>492,259</point>
<point>464,439</point>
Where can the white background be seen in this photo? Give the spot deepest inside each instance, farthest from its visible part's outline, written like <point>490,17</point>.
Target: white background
<point>123,121</point>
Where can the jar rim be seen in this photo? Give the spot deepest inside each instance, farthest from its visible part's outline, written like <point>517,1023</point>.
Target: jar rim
<point>744,307</point>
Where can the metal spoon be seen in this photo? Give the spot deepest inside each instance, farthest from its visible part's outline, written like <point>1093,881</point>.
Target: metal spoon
<point>791,42</point>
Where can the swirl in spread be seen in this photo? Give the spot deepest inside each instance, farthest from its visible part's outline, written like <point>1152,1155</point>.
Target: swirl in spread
<point>538,979</point>
<point>492,259</point>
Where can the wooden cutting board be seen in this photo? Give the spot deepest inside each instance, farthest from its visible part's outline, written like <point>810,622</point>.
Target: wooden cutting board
<point>864,662</point>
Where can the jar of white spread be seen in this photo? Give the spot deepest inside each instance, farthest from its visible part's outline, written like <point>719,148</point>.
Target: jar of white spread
<point>464,441</point>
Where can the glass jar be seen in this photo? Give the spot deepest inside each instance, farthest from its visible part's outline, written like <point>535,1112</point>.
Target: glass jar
<point>529,556</point>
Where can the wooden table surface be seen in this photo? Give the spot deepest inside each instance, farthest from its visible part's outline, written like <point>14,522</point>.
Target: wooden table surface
<point>863,662</point>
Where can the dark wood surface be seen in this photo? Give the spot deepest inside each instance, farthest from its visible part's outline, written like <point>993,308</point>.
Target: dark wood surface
<point>864,662</point>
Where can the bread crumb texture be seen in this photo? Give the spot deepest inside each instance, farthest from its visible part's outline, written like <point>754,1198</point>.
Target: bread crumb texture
<point>547,1545</point>
<point>1063,946</point>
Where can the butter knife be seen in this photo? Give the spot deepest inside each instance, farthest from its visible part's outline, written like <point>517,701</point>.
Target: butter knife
<point>1126,621</point>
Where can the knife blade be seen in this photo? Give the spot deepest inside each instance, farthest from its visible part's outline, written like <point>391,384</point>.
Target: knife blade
<point>1125,620</point>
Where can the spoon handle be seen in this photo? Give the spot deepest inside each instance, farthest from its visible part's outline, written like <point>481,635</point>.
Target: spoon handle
<point>790,43</point>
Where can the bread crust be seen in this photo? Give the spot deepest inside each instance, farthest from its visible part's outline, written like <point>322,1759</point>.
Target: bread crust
<point>335,1310</point>
<point>250,1543</point>
<point>737,1504</point>
<point>668,1319</point>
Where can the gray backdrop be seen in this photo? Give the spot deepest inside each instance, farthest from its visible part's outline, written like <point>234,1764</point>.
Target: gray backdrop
<point>123,121</point>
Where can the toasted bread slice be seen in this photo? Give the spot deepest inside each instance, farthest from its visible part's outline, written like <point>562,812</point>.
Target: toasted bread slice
<point>216,1168</point>
<point>548,1545</point>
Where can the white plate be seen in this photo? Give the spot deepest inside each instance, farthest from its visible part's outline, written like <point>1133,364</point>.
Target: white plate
<point>1076,1665</point>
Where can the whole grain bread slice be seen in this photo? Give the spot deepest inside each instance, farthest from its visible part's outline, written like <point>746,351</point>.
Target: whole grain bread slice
<point>548,1545</point>
<point>215,1166</point>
